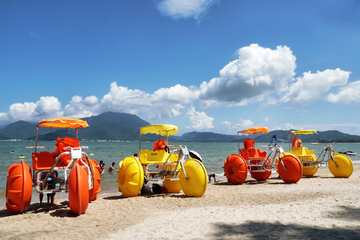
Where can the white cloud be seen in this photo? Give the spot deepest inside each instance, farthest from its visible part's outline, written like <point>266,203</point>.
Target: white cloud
<point>185,8</point>
<point>242,124</point>
<point>79,108</point>
<point>90,101</point>
<point>288,126</point>
<point>19,111</point>
<point>163,103</point>
<point>312,86</point>
<point>29,111</point>
<point>257,73</point>
<point>347,94</point>
<point>48,106</point>
<point>199,120</point>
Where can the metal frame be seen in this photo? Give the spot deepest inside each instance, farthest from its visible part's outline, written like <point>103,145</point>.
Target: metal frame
<point>75,154</point>
<point>325,155</point>
<point>179,150</point>
<point>269,163</point>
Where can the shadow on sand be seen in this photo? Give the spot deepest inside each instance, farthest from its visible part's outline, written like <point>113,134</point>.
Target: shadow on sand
<point>277,230</point>
<point>264,230</point>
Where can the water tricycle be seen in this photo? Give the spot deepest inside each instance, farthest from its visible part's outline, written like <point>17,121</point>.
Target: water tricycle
<point>339,164</point>
<point>259,163</point>
<point>164,163</point>
<point>68,169</point>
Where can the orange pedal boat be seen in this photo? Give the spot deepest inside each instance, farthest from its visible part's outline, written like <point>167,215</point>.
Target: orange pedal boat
<point>82,182</point>
<point>259,163</point>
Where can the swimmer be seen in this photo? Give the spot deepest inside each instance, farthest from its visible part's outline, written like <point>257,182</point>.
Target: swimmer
<point>112,167</point>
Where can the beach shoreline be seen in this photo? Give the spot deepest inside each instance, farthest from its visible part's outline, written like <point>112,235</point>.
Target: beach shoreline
<point>316,207</point>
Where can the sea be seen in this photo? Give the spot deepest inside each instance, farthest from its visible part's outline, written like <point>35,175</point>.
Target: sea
<point>212,153</point>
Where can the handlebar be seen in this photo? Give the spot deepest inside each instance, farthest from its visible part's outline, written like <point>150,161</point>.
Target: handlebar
<point>269,146</point>
<point>83,147</point>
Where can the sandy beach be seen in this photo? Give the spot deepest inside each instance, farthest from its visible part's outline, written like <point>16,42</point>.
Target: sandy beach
<point>319,207</point>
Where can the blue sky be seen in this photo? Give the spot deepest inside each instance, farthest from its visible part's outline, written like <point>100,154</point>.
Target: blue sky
<point>203,65</point>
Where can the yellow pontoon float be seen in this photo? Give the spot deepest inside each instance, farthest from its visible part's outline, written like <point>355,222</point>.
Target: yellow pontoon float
<point>339,164</point>
<point>259,163</point>
<point>166,163</point>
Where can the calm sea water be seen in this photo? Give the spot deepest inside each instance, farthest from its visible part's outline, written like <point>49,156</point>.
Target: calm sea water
<point>213,155</point>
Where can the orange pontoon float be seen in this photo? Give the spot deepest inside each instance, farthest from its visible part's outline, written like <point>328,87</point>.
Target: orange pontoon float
<point>82,183</point>
<point>258,163</point>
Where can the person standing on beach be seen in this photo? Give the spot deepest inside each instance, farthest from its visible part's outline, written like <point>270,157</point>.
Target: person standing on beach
<point>49,185</point>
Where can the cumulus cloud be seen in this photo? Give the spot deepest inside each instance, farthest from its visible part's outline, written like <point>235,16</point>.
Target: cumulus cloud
<point>313,86</point>
<point>242,124</point>
<point>199,120</point>
<point>259,75</point>
<point>48,106</point>
<point>163,103</point>
<point>79,108</point>
<point>30,111</point>
<point>255,74</point>
<point>347,94</point>
<point>21,111</point>
<point>185,8</point>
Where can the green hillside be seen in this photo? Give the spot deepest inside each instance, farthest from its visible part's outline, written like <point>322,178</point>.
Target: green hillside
<point>106,126</point>
<point>207,137</point>
<point>123,118</point>
<point>3,137</point>
<point>326,136</point>
<point>19,130</point>
<point>123,126</point>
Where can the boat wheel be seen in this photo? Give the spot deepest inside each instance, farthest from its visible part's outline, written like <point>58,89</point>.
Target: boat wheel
<point>196,183</point>
<point>292,171</point>
<point>344,166</point>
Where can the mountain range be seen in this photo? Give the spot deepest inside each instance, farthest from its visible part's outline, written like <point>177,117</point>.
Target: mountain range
<point>126,127</point>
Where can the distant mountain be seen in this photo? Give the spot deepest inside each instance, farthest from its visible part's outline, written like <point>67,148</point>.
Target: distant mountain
<point>123,126</point>
<point>106,126</point>
<point>207,137</point>
<point>123,118</point>
<point>19,130</point>
<point>3,137</point>
<point>326,136</point>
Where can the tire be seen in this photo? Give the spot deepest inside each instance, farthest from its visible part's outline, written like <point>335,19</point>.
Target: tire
<point>235,169</point>
<point>285,153</point>
<point>18,187</point>
<point>130,177</point>
<point>344,166</point>
<point>78,190</point>
<point>94,192</point>
<point>118,173</point>
<point>293,171</point>
<point>196,184</point>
